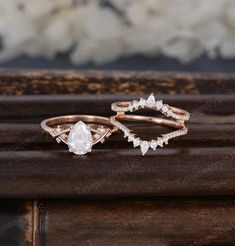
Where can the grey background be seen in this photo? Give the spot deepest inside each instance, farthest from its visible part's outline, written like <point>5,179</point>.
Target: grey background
<point>203,64</point>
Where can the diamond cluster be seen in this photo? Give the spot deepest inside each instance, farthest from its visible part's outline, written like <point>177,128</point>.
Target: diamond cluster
<point>151,102</point>
<point>146,145</point>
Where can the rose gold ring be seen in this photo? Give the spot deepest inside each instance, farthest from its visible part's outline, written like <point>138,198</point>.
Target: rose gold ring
<point>151,103</point>
<point>154,143</point>
<point>123,107</point>
<point>79,132</point>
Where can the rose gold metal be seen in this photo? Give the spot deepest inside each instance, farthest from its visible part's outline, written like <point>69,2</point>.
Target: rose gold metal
<point>173,112</point>
<point>164,122</point>
<point>160,141</point>
<point>58,127</point>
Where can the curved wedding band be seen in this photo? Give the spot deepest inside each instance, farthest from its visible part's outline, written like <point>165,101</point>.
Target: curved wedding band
<point>154,143</point>
<point>121,108</point>
<point>131,106</point>
<point>79,132</point>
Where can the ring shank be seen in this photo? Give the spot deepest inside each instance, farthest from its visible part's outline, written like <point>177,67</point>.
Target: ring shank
<point>156,120</point>
<point>49,124</point>
<point>178,125</point>
<point>122,107</point>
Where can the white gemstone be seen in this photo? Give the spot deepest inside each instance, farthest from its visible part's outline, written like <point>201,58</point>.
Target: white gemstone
<point>153,144</point>
<point>159,104</point>
<point>58,140</point>
<point>135,104</point>
<point>165,108</point>
<point>144,146</point>
<point>142,102</point>
<point>160,142</point>
<point>165,140</point>
<point>151,100</point>
<point>136,142</point>
<point>130,108</point>
<point>130,138</point>
<point>80,139</point>
<point>126,134</point>
<point>169,113</point>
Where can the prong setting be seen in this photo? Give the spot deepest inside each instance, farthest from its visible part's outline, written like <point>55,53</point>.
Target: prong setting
<point>152,103</point>
<point>158,105</point>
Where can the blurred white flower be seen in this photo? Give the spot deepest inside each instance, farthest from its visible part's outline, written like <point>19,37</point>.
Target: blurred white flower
<point>102,31</point>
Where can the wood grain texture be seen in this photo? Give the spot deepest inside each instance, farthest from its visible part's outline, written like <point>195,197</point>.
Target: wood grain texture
<point>182,195</point>
<point>31,137</point>
<point>166,172</point>
<point>136,223</point>
<point>20,82</point>
<point>16,223</point>
<point>29,108</point>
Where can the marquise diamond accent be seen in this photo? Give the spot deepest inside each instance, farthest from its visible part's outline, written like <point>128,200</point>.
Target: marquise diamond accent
<point>156,104</point>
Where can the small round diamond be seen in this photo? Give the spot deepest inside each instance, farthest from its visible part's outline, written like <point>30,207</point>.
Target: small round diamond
<point>130,108</point>
<point>165,140</point>
<point>136,142</point>
<point>58,140</point>
<point>160,142</point>
<point>165,108</point>
<point>135,104</point>
<point>142,102</point>
<point>159,104</point>
<point>131,138</point>
<point>126,134</point>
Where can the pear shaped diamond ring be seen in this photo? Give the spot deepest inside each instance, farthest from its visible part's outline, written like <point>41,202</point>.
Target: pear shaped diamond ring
<point>81,132</point>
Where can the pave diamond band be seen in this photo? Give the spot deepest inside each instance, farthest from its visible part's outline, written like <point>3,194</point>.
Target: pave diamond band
<point>179,116</point>
<point>154,143</point>
<point>79,132</point>
<point>151,103</point>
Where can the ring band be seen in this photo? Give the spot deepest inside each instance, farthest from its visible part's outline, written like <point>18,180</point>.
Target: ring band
<point>131,106</point>
<point>145,145</point>
<point>79,132</point>
<point>121,108</point>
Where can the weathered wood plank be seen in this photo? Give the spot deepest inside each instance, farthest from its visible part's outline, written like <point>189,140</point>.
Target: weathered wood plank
<point>118,172</point>
<point>124,223</point>
<point>22,82</point>
<point>16,223</point>
<point>30,107</point>
<point>18,137</point>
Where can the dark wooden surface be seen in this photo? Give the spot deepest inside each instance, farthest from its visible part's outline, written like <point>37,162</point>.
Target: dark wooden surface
<point>16,223</point>
<point>180,195</point>
<point>153,222</point>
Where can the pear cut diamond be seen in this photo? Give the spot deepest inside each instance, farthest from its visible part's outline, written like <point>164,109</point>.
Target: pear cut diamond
<point>144,146</point>
<point>80,139</point>
<point>153,144</point>
<point>151,100</point>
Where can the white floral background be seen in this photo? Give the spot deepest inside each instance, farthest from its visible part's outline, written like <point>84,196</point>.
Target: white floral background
<point>103,31</point>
